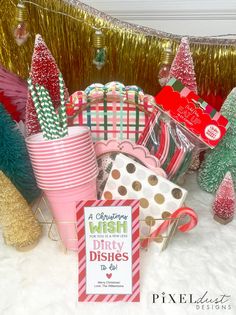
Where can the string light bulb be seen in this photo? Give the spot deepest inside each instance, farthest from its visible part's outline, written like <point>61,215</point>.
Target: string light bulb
<point>166,61</point>
<point>99,49</point>
<point>21,28</point>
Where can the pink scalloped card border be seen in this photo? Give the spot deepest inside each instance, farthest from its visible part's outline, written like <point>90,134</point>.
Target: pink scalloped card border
<point>127,147</point>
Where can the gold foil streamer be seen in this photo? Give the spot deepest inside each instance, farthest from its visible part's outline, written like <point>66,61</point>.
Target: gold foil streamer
<point>133,52</point>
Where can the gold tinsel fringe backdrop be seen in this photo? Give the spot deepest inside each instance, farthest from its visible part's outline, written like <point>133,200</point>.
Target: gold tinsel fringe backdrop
<point>133,52</point>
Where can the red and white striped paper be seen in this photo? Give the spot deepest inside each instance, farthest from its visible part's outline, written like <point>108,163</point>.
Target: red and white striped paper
<point>84,263</point>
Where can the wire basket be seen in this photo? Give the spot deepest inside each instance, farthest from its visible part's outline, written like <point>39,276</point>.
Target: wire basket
<point>43,214</point>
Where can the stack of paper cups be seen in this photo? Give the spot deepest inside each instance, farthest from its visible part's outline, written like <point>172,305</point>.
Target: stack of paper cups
<point>66,170</point>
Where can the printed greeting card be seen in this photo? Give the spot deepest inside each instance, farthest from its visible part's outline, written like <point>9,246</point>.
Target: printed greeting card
<point>108,234</point>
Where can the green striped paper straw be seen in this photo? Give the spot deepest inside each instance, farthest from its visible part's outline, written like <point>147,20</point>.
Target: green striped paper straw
<point>62,109</point>
<point>56,127</point>
<point>42,106</point>
<point>36,101</point>
<point>48,115</point>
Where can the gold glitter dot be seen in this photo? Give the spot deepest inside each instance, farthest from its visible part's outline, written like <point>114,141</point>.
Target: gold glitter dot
<point>115,174</point>
<point>150,221</point>
<point>122,190</point>
<point>158,239</point>
<point>177,193</point>
<point>108,195</point>
<point>165,214</point>
<point>130,168</point>
<point>153,180</point>
<point>144,203</point>
<point>159,198</point>
<point>137,186</point>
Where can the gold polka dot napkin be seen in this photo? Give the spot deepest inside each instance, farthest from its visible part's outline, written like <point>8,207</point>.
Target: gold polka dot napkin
<point>158,196</point>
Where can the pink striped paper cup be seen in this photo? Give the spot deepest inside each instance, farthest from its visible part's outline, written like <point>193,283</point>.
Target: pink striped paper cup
<point>68,173</point>
<point>66,169</point>
<point>71,169</point>
<point>60,146</point>
<point>63,207</point>
<point>74,132</point>
<point>54,182</point>
<point>80,146</point>
<point>63,164</point>
<point>67,183</point>
<point>82,154</point>
<point>37,160</point>
<point>58,173</point>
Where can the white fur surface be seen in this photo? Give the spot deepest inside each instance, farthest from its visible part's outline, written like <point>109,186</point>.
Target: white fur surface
<point>44,281</point>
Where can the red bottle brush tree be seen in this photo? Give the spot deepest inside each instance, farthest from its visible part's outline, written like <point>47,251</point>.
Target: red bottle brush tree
<point>45,72</point>
<point>224,203</point>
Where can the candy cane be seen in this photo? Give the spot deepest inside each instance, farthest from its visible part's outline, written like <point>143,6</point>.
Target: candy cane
<point>181,212</point>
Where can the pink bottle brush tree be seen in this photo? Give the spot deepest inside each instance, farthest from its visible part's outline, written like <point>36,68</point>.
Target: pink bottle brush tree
<point>182,67</point>
<point>224,203</point>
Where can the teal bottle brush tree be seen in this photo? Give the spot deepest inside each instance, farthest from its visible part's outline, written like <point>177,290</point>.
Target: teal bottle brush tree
<point>223,158</point>
<point>14,159</point>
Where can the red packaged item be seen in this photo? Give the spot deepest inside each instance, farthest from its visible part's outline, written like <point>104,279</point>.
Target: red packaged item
<point>181,126</point>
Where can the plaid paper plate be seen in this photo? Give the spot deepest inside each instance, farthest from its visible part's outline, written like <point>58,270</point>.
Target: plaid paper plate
<point>112,111</point>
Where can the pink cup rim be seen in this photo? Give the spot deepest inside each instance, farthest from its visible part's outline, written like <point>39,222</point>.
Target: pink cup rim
<point>64,146</point>
<point>60,146</point>
<point>74,184</point>
<point>73,131</point>
<point>48,159</point>
<point>69,142</point>
<point>69,169</point>
<point>61,177</point>
<point>87,165</point>
<point>62,167</point>
<point>54,192</point>
<point>56,182</point>
<point>77,159</point>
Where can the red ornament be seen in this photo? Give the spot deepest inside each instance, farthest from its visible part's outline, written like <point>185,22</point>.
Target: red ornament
<point>45,72</point>
<point>224,203</point>
<point>182,67</point>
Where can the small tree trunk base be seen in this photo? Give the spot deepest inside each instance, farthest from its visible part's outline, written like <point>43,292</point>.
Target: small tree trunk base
<point>222,221</point>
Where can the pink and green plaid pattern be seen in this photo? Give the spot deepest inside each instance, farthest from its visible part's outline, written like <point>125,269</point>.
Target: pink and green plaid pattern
<point>112,111</point>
